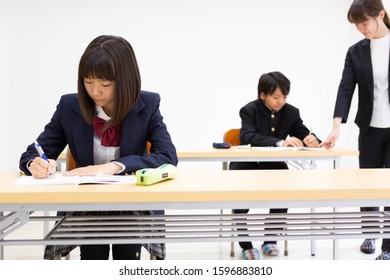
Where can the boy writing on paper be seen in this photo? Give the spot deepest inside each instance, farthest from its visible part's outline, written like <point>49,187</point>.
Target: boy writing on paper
<point>269,121</point>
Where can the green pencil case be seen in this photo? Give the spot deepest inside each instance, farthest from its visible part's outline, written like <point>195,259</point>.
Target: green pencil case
<point>150,176</point>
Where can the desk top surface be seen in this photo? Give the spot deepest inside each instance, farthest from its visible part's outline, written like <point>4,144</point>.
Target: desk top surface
<point>256,153</point>
<point>237,152</point>
<point>214,186</point>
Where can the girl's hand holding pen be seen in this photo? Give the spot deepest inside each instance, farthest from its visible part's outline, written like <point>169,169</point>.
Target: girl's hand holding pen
<point>41,168</point>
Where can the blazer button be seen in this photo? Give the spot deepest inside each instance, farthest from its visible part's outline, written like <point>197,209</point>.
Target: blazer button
<point>272,116</point>
<point>273,129</point>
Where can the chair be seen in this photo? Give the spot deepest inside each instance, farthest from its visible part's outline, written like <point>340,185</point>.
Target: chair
<point>232,136</point>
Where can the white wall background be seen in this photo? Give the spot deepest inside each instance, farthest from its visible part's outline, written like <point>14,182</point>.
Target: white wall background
<point>203,56</point>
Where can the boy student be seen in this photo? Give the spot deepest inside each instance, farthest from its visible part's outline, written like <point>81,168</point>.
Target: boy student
<point>270,121</point>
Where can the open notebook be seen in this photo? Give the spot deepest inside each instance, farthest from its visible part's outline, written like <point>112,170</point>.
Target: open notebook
<point>59,179</point>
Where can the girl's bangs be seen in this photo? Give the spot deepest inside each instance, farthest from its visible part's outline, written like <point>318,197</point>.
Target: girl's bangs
<point>97,65</point>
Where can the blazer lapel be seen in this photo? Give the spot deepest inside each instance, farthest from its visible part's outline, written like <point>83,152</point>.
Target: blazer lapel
<point>82,141</point>
<point>367,66</point>
<point>130,129</point>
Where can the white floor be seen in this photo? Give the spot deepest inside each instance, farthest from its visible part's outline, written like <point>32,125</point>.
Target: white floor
<point>297,249</point>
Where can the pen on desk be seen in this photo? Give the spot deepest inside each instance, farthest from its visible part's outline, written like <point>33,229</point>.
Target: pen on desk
<point>39,150</point>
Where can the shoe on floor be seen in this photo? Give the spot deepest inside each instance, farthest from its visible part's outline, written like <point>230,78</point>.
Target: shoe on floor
<point>384,256</point>
<point>368,246</point>
<point>251,254</point>
<point>270,249</point>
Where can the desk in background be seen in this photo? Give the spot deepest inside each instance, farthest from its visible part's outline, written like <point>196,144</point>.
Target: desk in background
<point>252,154</point>
<point>236,153</point>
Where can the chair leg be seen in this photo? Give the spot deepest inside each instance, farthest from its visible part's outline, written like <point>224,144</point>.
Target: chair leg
<point>231,243</point>
<point>232,249</point>
<point>286,248</point>
<point>59,258</point>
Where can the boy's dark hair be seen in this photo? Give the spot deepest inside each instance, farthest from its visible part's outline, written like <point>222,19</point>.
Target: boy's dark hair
<point>110,58</point>
<point>269,82</point>
<point>361,10</point>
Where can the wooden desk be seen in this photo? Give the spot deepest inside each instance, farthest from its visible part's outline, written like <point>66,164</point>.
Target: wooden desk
<point>202,189</point>
<point>252,154</point>
<point>237,154</point>
<point>301,158</point>
<point>212,190</point>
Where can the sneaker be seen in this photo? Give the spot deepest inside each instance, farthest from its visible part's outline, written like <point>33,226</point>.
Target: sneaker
<point>384,256</point>
<point>270,249</point>
<point>368,246</point>
<point>251,254</point>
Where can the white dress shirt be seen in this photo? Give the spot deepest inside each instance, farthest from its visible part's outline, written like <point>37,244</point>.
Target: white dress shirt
<point>380,49</point>
<point>102,154</point>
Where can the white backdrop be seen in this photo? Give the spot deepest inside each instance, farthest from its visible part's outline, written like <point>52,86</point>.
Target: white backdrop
<point>204,57</point>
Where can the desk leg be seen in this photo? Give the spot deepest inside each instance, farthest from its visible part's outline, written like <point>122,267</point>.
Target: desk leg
<point>225,165</point>
<point>1,246</point>
<point>336,165</point>
<point>46,228</point>
<point>335,244</point>
<point>313,242</point>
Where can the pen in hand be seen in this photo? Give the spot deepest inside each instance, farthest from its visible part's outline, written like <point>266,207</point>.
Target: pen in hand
<point>41,153</point>
<point>308,138</point>
<point>39,150</point>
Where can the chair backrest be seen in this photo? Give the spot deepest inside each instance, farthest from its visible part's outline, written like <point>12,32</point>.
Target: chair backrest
<point>71,163</point>
<point>232,136</point>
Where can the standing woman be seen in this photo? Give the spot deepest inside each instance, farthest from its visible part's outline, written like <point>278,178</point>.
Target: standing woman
<point>367,65</point>
<point>106,125</point>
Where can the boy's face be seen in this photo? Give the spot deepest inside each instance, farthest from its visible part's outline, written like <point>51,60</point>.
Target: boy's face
<point>275,101</point>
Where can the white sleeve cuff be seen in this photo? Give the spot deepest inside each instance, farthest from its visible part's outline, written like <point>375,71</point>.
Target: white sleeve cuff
<point>123,167</point>
<point>28,164</point>
<point>279,143</point>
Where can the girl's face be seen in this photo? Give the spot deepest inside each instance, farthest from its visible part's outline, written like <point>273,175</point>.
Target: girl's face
<point>373,27</point>
<point>275,101</point>
<point>102,93</point>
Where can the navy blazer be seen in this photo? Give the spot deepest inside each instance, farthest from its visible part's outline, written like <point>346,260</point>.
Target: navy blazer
<point>143,123</point>
<point>357,71</point>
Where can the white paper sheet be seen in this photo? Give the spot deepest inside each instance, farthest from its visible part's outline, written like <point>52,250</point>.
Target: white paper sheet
<point>59,179</point>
